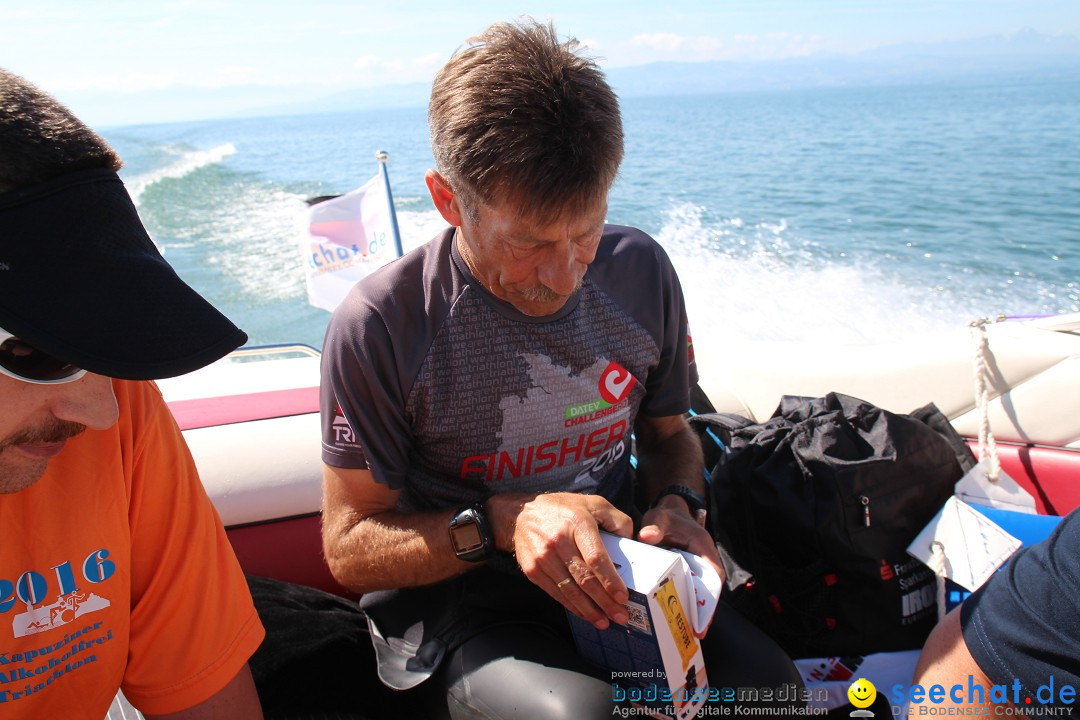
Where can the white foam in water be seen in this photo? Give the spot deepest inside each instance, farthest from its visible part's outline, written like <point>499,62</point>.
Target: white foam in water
<point>747,281</point>
<point>256,243</point>
<point>188,162</point>
<point>417,227</point>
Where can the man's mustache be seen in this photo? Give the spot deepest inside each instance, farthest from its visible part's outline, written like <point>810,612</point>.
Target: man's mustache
<point>542,293</point>
<point>52,432</point>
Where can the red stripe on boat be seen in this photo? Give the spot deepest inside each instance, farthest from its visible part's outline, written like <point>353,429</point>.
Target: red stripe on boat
<point>289,550</point>
<point>229,409</point>
<point>1049,473</point>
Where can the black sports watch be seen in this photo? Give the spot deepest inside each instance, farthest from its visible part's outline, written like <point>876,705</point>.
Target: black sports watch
<point>692,498</point>
<point>470,534</point>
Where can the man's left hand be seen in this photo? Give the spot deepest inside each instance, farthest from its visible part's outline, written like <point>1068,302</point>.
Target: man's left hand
<point>670,524</point>
<point>669,453</point>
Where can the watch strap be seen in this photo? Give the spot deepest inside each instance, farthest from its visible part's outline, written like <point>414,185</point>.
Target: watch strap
<point>693,499</point>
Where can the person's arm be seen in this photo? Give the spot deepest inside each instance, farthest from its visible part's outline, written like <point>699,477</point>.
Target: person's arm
<point>946,661</point>
<point>237,700</point>
<point>370,545</point>
<point>182,649</point>
<point>669,453</point>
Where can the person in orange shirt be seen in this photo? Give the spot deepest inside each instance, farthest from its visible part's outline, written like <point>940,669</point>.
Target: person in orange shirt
<point>115,571</point>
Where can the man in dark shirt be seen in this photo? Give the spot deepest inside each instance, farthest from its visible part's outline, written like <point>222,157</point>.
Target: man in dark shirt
<point>479,396</point>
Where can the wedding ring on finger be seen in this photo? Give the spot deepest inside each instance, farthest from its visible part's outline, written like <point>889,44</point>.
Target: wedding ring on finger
<point>562,583</point>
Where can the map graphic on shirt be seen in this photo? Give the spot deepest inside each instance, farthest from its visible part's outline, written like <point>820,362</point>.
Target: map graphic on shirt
<point>551,386</point>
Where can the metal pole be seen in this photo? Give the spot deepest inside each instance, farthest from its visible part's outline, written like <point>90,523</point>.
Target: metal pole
<point>382,157</point>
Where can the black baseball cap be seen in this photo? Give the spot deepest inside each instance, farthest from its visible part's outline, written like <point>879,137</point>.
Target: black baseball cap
<point>81,280</point>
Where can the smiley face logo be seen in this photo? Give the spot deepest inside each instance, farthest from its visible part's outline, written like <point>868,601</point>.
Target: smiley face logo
<point>862,693</point>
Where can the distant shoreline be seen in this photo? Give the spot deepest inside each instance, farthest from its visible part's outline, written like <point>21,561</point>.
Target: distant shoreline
<point>1025,55</point>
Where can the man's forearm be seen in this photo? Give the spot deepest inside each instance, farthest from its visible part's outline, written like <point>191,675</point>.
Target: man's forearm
<point>238,699</point>
<point>554,538</point>
<point>675,460</point>
<point>393,550</point>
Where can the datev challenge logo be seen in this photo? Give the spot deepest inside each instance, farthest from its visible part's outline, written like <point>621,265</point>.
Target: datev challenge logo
<point>614,386</point>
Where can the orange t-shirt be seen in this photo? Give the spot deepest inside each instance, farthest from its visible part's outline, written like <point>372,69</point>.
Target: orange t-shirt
<point>115,572</point>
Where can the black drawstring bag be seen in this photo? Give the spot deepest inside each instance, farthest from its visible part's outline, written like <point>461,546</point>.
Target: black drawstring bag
<point>819,504</point>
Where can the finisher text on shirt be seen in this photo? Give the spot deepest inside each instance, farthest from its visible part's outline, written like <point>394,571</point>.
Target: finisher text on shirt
<point>536,459</point>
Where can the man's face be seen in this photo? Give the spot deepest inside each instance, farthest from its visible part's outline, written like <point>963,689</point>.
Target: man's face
<point>533,265</point>
<point>37,420</point>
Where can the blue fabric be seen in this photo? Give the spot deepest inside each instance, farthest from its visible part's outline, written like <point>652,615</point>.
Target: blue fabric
<point>1024,623</point>
<point>1028,529</point>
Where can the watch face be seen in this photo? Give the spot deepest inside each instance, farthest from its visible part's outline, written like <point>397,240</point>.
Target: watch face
<point>466,537</point>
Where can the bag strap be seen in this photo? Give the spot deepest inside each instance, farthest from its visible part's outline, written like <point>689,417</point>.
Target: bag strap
<point>715,430</point>
<point>721,424</point>
<point>732,421</point>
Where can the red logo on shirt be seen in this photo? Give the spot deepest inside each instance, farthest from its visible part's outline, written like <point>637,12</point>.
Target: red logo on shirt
<point>616,382</point>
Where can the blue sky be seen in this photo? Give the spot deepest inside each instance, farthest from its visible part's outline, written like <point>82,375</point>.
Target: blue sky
<point>123,48</point>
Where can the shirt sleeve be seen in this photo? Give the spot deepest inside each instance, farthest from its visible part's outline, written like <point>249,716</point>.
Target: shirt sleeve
<point>374,345</point>
<point>362,402</point>
<point>193,623</point>
<point>1024,622</point>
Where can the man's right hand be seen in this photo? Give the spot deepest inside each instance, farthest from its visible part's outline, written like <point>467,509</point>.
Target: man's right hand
<point>556,539</point>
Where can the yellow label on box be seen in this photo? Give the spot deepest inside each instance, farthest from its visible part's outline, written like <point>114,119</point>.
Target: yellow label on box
<point>668,599</point>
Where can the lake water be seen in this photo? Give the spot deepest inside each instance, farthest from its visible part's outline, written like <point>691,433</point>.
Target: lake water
<point>856,215</point>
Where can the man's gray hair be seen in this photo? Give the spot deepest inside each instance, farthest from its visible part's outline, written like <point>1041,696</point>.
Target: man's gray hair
<point>518,115</point>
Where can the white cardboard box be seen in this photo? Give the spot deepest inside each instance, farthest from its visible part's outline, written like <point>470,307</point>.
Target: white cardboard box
<point>655,660</point>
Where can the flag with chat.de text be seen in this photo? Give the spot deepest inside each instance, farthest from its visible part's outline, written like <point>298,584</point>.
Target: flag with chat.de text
<point>347,238</point>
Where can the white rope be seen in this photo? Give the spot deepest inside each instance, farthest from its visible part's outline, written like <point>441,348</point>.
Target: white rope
<point>987,446</point>
<point>937,564</point>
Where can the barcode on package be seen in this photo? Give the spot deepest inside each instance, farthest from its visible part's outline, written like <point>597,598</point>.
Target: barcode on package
<point>639,617</point>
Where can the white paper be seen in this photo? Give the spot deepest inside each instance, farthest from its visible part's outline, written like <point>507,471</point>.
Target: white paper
<point>974,546</point>
<point>642,565</point>
<point>707,586</point>
<point>975,488</point>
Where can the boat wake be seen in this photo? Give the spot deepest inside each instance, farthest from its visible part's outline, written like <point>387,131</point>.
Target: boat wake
<point>188,162</point>
<point>758,281</point>
<point>419,226</point>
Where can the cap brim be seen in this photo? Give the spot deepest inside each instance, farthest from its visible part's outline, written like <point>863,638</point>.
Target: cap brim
<point>81,280</point>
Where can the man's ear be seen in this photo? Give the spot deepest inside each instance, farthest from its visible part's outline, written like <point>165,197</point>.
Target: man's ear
<point>446,202</point>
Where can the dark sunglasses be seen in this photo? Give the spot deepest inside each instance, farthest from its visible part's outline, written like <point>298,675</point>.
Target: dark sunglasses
<point>22,361</point>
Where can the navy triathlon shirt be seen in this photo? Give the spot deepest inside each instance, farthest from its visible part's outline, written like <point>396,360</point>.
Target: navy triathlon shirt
<point>448,393</point>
